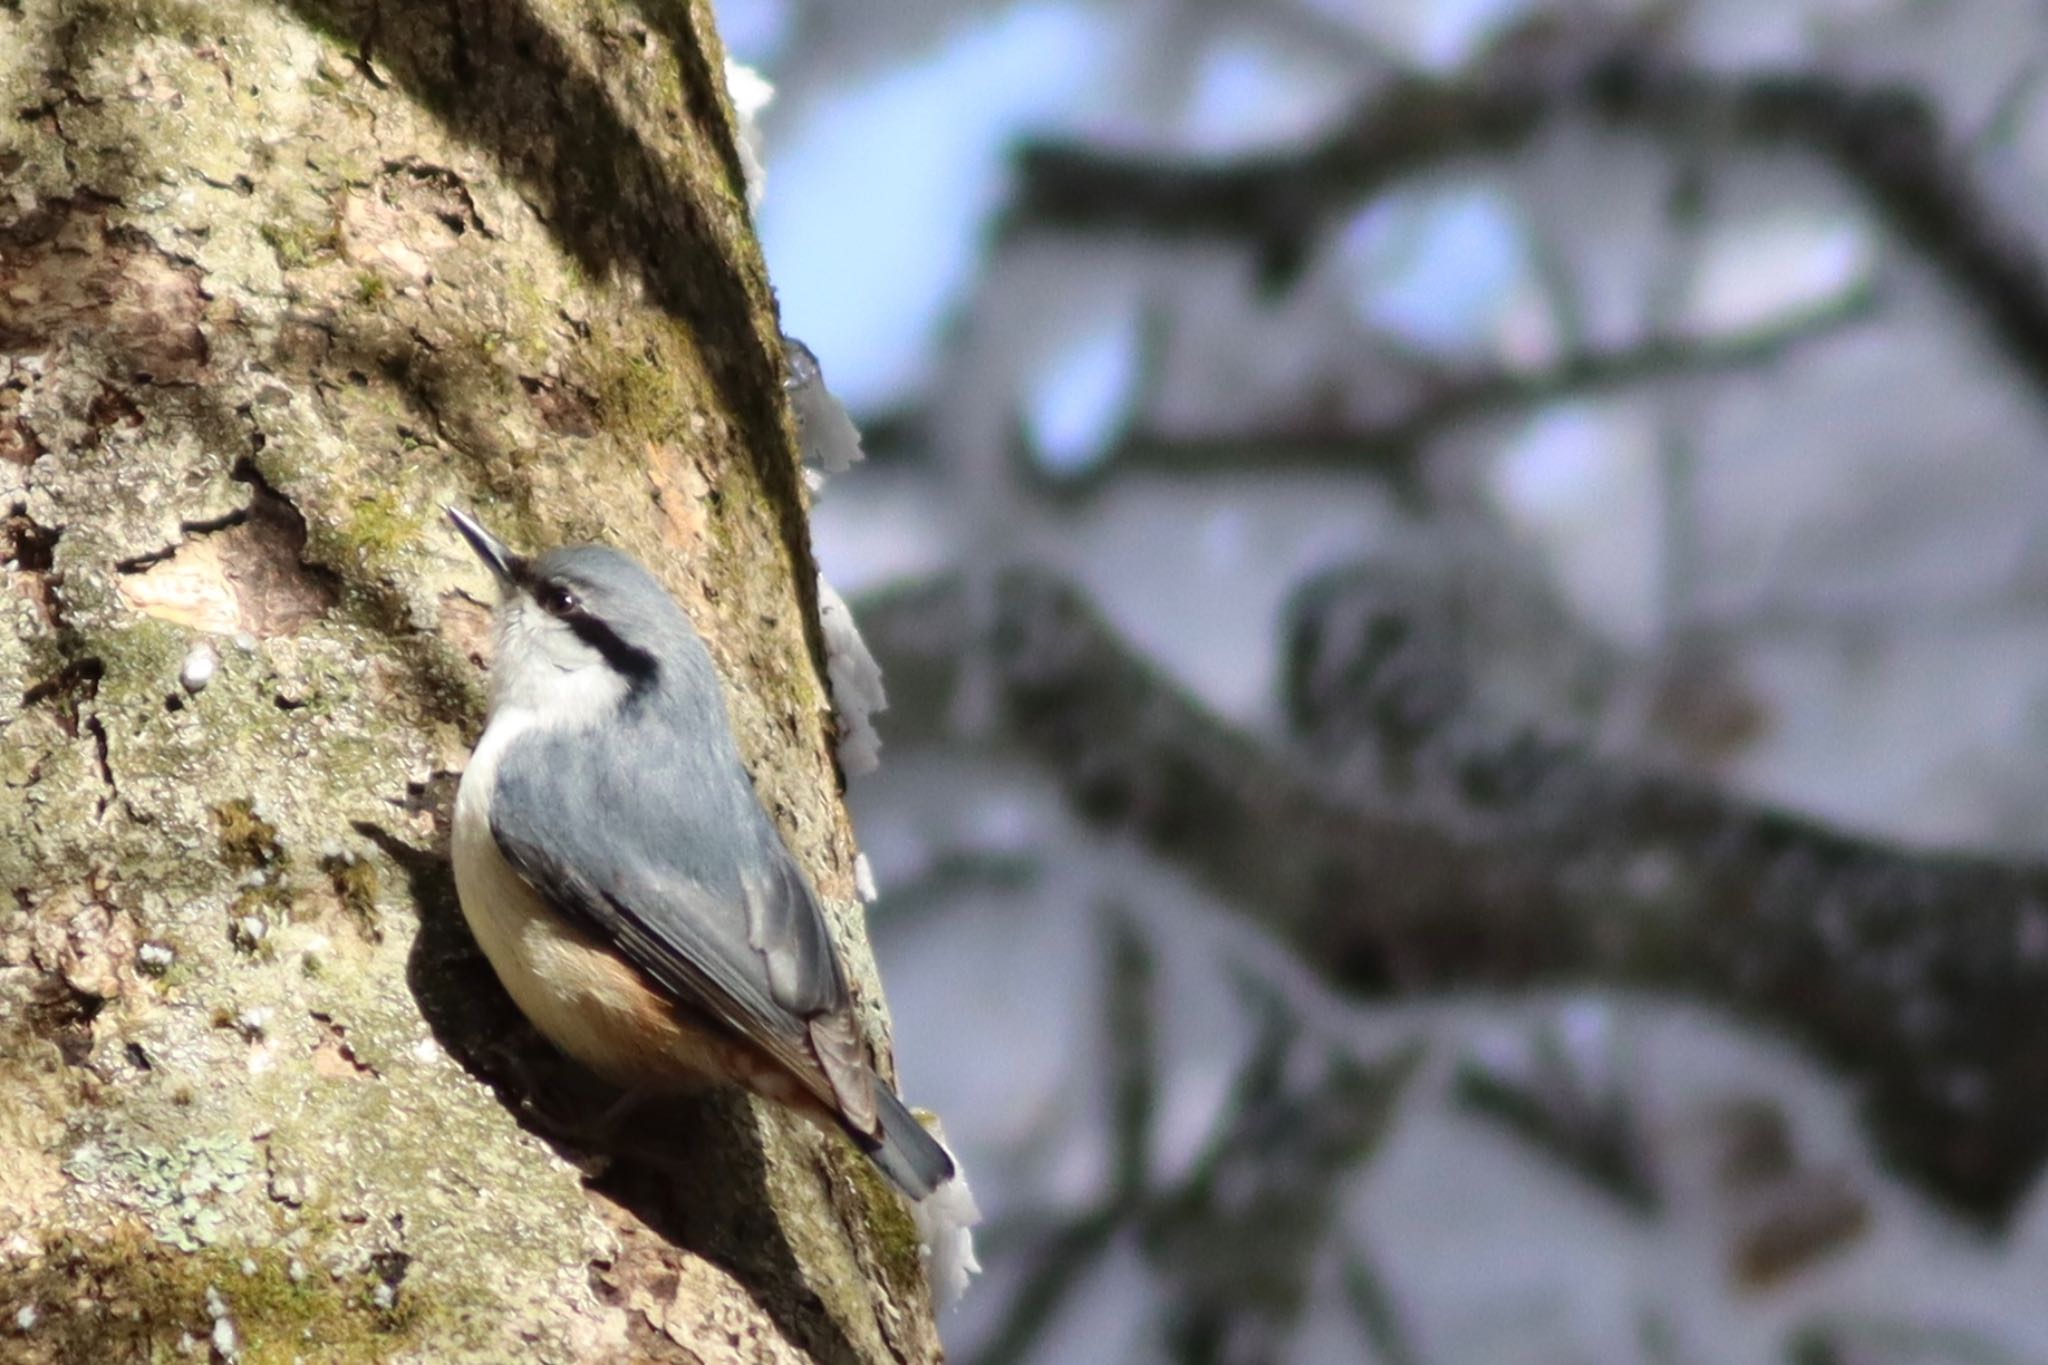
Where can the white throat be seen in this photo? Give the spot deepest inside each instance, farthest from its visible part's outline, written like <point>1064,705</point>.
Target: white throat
<point>545,673</point>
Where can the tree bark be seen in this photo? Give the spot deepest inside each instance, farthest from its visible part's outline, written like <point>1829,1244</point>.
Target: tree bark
<point>276,283</point>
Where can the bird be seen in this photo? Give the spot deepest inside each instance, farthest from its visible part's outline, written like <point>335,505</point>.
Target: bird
<point>632,894</point>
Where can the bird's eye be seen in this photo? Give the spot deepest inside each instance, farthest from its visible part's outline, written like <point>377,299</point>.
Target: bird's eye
<point>557,600</point>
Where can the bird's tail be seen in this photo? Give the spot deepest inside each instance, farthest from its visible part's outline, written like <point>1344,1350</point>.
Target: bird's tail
<point>917,1163</point>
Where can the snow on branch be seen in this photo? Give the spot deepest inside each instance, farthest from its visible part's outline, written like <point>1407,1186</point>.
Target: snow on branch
<point>1923,977</point>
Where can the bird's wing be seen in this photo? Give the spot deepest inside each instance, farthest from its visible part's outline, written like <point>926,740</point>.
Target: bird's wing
<point>696,891</point>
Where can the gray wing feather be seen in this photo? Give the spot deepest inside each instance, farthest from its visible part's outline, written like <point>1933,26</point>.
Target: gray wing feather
<point>685,874</point>
<point>785,927</point>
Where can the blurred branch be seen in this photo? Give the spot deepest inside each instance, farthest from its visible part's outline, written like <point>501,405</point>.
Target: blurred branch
<point>1058,1266</point>
<point>1372,1303</point>
<point>1885,139</point>
<point>1130,1007</point>
<point>1922,976</point>
<point>1239,1236</point>
<point>1568,1101</point>
<point>1234,1240</point>
<point>1852,1341</point>
<point>1394,444</point>
<point>955,873</point>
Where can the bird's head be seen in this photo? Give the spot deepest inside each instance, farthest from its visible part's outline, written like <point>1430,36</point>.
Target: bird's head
<point>580,628</point>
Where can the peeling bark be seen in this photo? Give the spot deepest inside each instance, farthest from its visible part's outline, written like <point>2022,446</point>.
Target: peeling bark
<point>275,284</point>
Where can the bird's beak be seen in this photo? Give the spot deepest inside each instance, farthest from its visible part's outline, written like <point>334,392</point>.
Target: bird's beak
<point>503,564</point>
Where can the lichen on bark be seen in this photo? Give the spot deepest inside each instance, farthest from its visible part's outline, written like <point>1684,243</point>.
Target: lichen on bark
<point>275,284</point>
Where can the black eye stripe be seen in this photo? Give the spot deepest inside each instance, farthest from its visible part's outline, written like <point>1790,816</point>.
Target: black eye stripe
<point>560,600</point>
<point>637,665</point>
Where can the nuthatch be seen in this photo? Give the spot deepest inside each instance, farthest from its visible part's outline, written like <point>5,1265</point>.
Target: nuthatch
<point>621,875</point>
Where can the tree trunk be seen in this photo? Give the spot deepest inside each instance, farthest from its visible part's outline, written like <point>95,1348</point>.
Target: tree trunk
<point>276,283</point>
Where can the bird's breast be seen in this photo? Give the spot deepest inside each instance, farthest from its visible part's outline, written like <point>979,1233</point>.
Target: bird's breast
<point>568,981</point>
